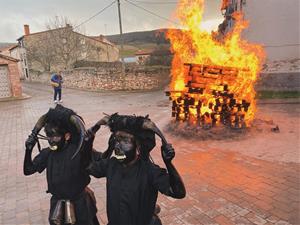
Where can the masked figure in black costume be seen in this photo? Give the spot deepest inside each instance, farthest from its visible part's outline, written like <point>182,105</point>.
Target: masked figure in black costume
<point>133,180</point>
<point>72,202</point>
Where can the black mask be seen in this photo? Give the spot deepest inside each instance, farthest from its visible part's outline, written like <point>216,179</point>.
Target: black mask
<point>55,138</point>
<point>125,147</point>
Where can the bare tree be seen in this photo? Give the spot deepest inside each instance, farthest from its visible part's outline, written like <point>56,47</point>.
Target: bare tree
<point>38,51</point>
<point>60,46</point>
<point>69,46</point>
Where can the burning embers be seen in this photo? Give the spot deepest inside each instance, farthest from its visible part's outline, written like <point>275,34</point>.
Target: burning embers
<point>207,99</point>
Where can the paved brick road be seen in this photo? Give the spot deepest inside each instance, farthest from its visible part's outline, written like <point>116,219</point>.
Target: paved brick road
<point>251,181</point>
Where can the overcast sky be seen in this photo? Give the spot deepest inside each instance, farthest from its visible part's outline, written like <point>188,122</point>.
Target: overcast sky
<point>36,13</point>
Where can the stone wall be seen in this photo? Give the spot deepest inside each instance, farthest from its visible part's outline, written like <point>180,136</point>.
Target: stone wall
<point>111,78</point>
<point>288,81</point>
<point>99,65</point>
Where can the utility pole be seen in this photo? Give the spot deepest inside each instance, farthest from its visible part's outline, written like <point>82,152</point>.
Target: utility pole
<point>121,32</point>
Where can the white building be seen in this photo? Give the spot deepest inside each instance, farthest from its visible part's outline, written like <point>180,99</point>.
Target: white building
<point>15,52</point>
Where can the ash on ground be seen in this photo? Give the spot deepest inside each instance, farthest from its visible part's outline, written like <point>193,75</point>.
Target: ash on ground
<point>221,132</point>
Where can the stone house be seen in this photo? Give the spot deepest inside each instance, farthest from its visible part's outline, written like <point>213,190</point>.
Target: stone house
<point>60,48</point>
<point>10,85</point>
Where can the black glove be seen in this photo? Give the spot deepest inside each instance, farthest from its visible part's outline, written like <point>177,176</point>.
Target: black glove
<point>104,121</point>
<point>31,141</point>
<point>89,135</point>
<point>167,152</point>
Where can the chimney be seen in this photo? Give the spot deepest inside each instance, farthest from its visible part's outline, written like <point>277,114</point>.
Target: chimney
<point>69,27</point>
<point>26,29</point>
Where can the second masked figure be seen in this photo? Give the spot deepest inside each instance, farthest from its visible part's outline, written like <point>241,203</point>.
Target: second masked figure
<point>133,180</point>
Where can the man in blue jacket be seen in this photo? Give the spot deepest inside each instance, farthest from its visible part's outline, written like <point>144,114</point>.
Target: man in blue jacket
<point>56,82</point>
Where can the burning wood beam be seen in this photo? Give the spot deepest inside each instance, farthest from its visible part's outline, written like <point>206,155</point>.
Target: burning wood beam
<point>207,99</point>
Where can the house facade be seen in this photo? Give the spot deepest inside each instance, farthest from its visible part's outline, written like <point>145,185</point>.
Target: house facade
<point>60,48</point>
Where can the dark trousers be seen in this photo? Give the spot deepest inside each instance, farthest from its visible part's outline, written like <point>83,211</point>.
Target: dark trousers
<point>57,92</point>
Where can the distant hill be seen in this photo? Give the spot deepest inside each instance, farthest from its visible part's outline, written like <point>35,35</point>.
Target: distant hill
<point>153,36</point>
<point>142,40</point>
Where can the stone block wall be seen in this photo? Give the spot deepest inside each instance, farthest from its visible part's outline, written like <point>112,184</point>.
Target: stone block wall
<point>110,78</point>
<point>285,81</point>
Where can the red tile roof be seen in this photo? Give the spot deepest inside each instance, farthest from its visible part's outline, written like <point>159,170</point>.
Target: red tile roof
<point>144,52</point>
<point>9,47</point>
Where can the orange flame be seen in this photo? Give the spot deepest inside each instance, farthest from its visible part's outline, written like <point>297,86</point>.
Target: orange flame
<point>193,45</point>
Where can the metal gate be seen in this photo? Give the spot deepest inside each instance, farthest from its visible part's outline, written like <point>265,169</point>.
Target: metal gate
<point>4,82</point>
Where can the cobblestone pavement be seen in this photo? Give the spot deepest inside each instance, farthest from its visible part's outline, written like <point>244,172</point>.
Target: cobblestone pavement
<point>249,181</point>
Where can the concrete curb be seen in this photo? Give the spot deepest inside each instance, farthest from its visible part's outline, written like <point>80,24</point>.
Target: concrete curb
<point>23,97</point>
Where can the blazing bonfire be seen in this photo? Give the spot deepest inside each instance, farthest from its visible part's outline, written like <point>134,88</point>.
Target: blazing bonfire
<point>212,78</point>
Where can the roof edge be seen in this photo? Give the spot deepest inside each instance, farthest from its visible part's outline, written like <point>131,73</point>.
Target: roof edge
<point>9,58</point>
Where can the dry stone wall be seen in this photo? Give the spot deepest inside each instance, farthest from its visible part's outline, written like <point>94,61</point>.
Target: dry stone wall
<point>286,81</point>
<point>110,78</point>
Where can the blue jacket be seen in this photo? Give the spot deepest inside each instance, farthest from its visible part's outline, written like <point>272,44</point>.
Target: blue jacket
<point>57,79</point>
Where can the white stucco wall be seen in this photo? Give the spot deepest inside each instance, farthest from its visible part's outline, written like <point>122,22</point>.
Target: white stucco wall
<point>15,53</point>
<point>275,24</point>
